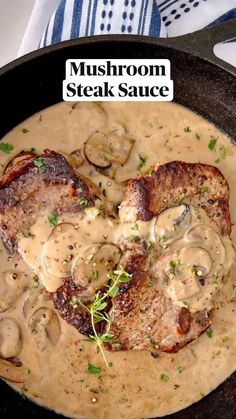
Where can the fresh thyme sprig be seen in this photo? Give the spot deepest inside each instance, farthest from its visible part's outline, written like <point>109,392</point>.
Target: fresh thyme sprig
<point>99,304</point>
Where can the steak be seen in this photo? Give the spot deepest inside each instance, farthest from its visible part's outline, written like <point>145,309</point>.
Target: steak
<point>200,185</point>
<point>39,183</point>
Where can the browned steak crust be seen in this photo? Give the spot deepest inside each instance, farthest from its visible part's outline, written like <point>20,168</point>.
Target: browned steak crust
<point>143,318</point>
<point>27,190</point>
<point>200,185</point>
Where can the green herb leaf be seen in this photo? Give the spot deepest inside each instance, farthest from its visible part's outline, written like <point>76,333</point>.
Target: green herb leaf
<point>209,333</point>
<point>83,202</point>
<point>39,163</point>
<point>53,219</point>
<point>94,370</point>
<point>35,279</point>
<point>95,275</point>
<point>134,226</point>
<point>113,292</point>
<point>181,199</point>
<point>79,190</point>
<point>180,369</point>
<point>223,152</point>
<point>212,143</point>
<point>6,148</point>
<point>198,136</point>
<point>204,189</point>
<point>187,129</point>
<point>142,162</point>
<point>164,378</point>
<point>25,130</point>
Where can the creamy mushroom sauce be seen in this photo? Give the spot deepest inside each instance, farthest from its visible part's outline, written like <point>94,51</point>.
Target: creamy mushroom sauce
<point>54,357</point>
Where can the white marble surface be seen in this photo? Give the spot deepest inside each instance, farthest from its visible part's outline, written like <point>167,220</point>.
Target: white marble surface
<point>14,16</point>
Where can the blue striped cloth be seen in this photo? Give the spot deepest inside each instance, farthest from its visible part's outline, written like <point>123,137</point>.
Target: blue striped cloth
<point>78,18</point>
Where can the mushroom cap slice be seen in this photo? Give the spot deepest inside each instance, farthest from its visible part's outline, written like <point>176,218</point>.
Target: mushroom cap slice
<point>10,338</point>
<point>44,327</point>
<point>172,223</point>
<point>11,372</point>
<point>104,148</point>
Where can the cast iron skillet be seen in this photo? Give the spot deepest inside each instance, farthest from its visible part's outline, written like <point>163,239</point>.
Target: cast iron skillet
<point>202,82</point>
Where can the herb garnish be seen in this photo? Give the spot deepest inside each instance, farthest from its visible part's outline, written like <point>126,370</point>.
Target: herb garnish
<point>164,378</point>
<point>180,369</point>
<point>39,163</point>
<point>212,143</point>
<point>6,148</point>
<point>95,275</point>
<point>99,304</point>
<point>134,226</point>
<point>142,162</point>
<point>198,136</point>
<point>209,333</point>
<point>25,130</point>
<point>223,152</point>
<point>181,199</point>
<point>187,129</point>
<point>53,219</point>
<point>94,370</point>
<point>36,281</point>
<point>83,202</point>
<point>204,189</point>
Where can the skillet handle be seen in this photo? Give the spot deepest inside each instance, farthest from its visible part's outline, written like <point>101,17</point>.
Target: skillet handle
<point>201,43</point>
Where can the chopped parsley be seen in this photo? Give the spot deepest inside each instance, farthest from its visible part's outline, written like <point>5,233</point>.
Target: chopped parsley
<point>173,264</point>
<point>134,226</point>
<point>209,333</point>
<point>180,369</point>
<point>212,143</point>
<point>94,370</point>
<point>181,199</point>
<point>162,239</point>
<point>223,152</point>
<point>83,202</point>
<point>111,149</point>
<point>198,136</point>
<point>204,189</point>
<point>133,237</point>
<point>95,275</point>
<point>185,303</point>
<point>6,148</point>
<point>36,281</point>
<point>142,162</point>
<point>79,190</point>
<point>164,378</point>
<point>39,163</point>
<point>25,130</point>
<point>33,149</point>
<point>53,219</point>
<point>187,129</point>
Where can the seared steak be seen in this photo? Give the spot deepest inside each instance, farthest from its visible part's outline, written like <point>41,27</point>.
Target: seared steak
<point>200,185</point>
<point>39,183</point>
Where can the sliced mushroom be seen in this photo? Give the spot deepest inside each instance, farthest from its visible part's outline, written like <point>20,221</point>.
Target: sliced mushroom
<point>102,149</point>
<point>33,298</point>
<point>76,158</point>
<point>172,224</point>
<point>92,267</point>
<point>23,155</point>
<point>12,284</point>
<point>179,272</point>
<point>44,327</point>
<point>11,372</point>
<point>59,250</point>
<point>10,338</point>
<point>209,239</point>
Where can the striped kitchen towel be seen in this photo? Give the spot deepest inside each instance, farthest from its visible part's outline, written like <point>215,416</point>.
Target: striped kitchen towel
<point>54,21</point>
